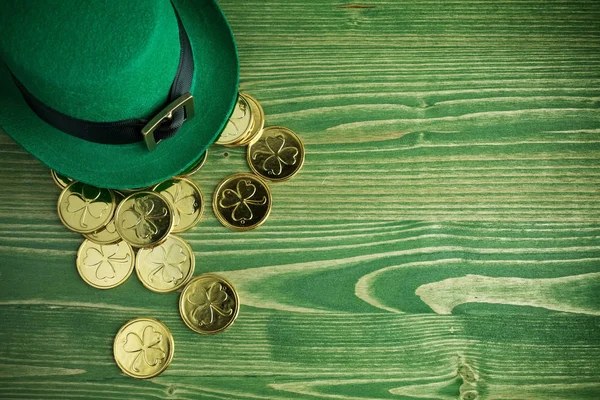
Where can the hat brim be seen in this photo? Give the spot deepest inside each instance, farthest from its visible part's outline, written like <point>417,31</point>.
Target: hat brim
<point>132,165</point>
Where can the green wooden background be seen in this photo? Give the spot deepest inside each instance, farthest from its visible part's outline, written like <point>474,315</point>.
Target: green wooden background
<point>441,241</point>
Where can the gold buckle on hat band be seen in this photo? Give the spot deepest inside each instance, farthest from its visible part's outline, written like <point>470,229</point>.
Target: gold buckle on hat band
<point>186,101</point>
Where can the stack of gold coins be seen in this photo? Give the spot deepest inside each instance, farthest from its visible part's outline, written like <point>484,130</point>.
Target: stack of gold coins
<point>245,123</point>
<point>243,201</point>
<point>135,229</point>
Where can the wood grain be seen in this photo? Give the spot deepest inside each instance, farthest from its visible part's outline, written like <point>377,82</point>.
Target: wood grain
<point>441,241</point>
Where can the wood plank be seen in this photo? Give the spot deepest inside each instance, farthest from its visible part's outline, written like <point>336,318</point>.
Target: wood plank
<point>372,354</point>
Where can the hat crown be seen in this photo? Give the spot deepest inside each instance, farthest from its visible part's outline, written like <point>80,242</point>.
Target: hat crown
<point>100,60</point>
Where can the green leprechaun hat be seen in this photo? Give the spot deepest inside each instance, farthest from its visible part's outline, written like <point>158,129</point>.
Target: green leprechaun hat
<point>116,94</point>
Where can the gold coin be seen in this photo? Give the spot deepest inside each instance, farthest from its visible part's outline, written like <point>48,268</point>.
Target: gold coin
<point>61,181</point>
<point>209,304</point>
<point>186,202</point>
<point>242,202</point>
<point>277,154</point>
<point>104,266</point>
<point>84,208</point>
<point>144,219</point>
<point>143,348</point>
<point>259,120</point>
<point>166,267</point>
<point>195,167</point>
<point>107,234</point>
<point>239,123</point>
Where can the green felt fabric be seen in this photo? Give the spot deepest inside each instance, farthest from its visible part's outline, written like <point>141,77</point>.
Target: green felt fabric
<point>91,59</point>
<point>107,61</point>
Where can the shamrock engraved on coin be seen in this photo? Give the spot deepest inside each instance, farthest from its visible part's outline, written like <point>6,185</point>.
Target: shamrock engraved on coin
<point>103,262</point>
<point>277,155</point>
<point>239,113</point>
<point>207,302</point>
<point>144,214</point>
<point>181,204</point>
<point>111,227</point>
<point>169,263</point>
<point>146,347</point>
<point>86,202</point>
<point>240,200</point>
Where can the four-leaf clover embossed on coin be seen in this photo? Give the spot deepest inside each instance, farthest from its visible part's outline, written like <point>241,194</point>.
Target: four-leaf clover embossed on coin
<point>142,217</point>
<point>185,199</point>
<point>168,263</point>
<point>143,348</point>
<point>240,200</point>
<point>181,204</point>
<point>276,154</point>
<point>167,266</point>
<point>87,202</point>
<point>207,302</point>
<point>104,266</point>
<point>147,348</point>
<point>239,114</point>
<point>103,259</point>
